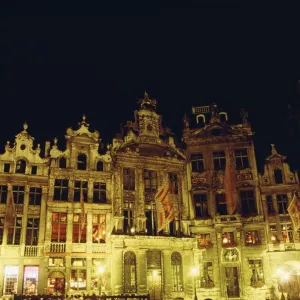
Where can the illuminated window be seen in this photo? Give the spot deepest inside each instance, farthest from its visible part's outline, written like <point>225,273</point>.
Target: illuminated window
<point>176,265</point>
<point>274,234</point>
<point>128,179</point>
<point>201,205</point>
<point>30,282</point>
<point>34,170</point>
<point>241,159</point>
<point>287,233</point>
<point>207,277</point>
<point>174,183</point>
<point>61,188</point>
<point>81,161</point>
<point>35,196</point>
<point>32,231</point>
<point>14,232</point>
<point>21,166</point>
<point>3,194</point>
<point>100,165</point>
<point>252,238</point>
<point>99,228</point>
<point>99,192</point>
<point>257,274</point>
<point>204,241</point>
<point>248,203</point>
<point>78,187</point>
<point>282,203</point>
<point>150,181</point>
<point>79,229</point>
<point>221,204</point>
<point>6,168</point>
<point>219,160</point>
<point>128,216</point>
<point>10,280</point>
<point>270,205</point>
<point>19,192</point>
<point>78,279</point>
<point>278,176</point>
<point>228,239</point>
<point>62,162</point>
<point>59,227</point>
<point>1,229</point>
<point>197,162</point>
<point>130,272</point>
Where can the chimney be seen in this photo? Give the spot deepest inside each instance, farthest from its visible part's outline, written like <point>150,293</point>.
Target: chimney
<point>47,148</point>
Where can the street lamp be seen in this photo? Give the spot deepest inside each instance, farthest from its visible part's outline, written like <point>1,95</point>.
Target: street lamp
<point>100,271</point>
<point>195,273</point>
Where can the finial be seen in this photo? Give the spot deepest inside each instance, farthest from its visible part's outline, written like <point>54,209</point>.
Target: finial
<point>244,116</point>
<point>146,95</point>
<point>186,122</point>
<point>83,122</point>
<point>273,150</point>
<point>55,141</point>
<point>147,103</point>
<point>25,126</point>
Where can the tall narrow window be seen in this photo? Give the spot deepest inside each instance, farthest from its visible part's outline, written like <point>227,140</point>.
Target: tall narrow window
<point>80,186</point>
<point>219,160</point>
<point>257,274</point>
<point>221,205</point>
<point>232,282</point>
<point>282,203</point>
<point>18,193</point>
<point>78,279</point>
<point>35,196</point>
<point>30,281</point>
<point>100,165</point>
<point>287,233</point>
<point>128,179</point>
<point>79,229</point>
<point>14,232</point>
<point>278,176</point>
<point>3,194</point>
<point>248,203</point>
<point>207,278</point>
<point>174,183</point>
<point>201,206</point>
<point>1,229</point>
<point>34,170</point>
<point>197,162</point>
<point>6,168</point>
<point>21,166</point>
<point>274,233</point>
<point>81,161</point>
<point>62,163</point>
<point>270,205</point>
<point>150,222</point>
<point>61,188</point>
<point>32,231</point>
<point>99,228</point>
<point>130,272</point>
<point>150,181</point>
<point>241,159</point>
<point>99,192</point>
<point>59,227</point>
<point>128,216</point>
<point>176,265</point>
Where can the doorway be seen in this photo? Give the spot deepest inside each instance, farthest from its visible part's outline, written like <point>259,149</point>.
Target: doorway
<point>232,282</point>
<point>56,283</point>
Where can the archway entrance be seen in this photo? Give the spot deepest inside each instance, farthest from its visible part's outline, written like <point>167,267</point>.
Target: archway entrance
<point>56,283</point>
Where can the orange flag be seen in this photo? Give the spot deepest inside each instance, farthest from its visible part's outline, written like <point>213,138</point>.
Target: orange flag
<point>82,209</point>
<point>294,212</point>
<point>230,188</point>
<point>10,210</point>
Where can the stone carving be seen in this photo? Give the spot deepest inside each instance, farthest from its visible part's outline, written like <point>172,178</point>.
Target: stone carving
<point>230,255</point>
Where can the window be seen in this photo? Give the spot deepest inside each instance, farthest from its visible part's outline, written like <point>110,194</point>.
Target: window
<point>197,162</point>
<point>248,203</point>
<point>150,181</point>
<point>278,176</point>
<point>18,193</point>
<point>219,160</point>
<point>207,278</point>
<point>99,192</point>
<point>204,241</point>
<point>6,168</point>
<point>30,282</point>
<point>274,234</point>
<point>3,194</point>
<point>35,196</point>
<point>81,161</point>
<point>78,279</point>
<point>34,170</point>
<point>241,159</point>
<point>32,231</point>
<point>21,166</point>
<point>252,238</point>
<point>176,265</point>
<point>59,227</point>
<point>257,275</point>
<point>150,222</point>
<point>128,217</point>
<point>100,165</point>
<point>61,189</point>
<point>130,272</point>
<point>99,228</point>
<point>201,206</point>
<point>1,229</point>
<point>174,183</point>
<point>270,205</point>
<point>80,186</point>
<point>79,229</point>
<point>228,239</point>
<point>62,163</point>
<point>14,232</point>
<point>221,204</point>
<point>287,233</point>
<point>282,203</point>
<point>128,179</point>
<point>10,285</point>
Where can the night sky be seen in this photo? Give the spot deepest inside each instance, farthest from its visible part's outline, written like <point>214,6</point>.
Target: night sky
<point>56,68</point>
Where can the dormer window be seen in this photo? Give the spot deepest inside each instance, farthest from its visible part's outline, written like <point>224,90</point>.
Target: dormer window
<point>100,165</point>
<point>200,119</point>
<point>21,166</point>
<point>62,162</point>
<point>6,168</point>
<point>34,170</point>
<point>81,161</point>
<point>278,176</point>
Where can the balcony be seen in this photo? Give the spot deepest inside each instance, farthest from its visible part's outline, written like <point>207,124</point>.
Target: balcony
<point>227,219</point>
<point>58,247</point>
<point>99,248</point>
<point>31,251</point>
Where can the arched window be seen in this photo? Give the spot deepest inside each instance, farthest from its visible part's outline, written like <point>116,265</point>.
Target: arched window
<point>200,120</point>
<point>62,162</point>
<point>21,166</point>
<point>223,117</point>
<point>81,161</point>
<point>176,264</point>
<point>278,176</point>
<point>129,272</point>
<point>100,165</point>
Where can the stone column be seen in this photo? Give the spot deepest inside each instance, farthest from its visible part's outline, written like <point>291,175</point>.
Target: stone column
<point>139,201</point>
<point>188,279</point>
<point>167,275</point>
<point>89,232</point>
<point>69,230</point>
<point>117,272</point>
<point>141,272</point>
<point>89,268</point>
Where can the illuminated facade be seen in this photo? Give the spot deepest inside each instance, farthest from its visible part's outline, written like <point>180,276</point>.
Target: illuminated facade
<point>85,222</point>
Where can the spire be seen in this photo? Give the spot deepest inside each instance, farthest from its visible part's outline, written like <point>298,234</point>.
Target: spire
<point>273,150</point>
<point>147,103</point>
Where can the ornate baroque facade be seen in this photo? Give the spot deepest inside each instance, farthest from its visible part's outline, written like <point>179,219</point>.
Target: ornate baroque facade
<point>88,222</point>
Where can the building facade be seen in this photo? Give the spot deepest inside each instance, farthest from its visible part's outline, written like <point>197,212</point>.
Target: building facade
<point>148,216</point>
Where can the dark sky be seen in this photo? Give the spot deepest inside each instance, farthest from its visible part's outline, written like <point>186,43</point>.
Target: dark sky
<point>55,68</point>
